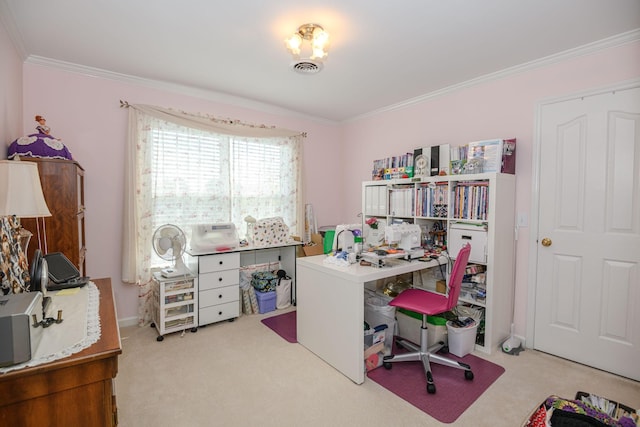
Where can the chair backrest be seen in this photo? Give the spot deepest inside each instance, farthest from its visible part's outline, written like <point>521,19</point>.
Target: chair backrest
<point>457,273</point>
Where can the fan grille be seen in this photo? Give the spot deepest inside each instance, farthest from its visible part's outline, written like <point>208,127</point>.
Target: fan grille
<point>169,241</point>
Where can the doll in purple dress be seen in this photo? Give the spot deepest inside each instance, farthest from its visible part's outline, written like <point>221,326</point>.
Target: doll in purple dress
<point>40,144</point>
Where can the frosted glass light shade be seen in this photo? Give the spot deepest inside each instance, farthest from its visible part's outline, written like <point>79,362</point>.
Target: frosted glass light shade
<point>21,191</point>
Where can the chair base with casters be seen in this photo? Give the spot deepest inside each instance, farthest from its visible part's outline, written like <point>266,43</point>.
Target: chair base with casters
<point>429,303</point>
<point>426,355</point>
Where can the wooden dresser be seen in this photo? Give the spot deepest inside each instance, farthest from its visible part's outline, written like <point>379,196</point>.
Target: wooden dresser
<point>74,391</point>
<point>63,188</point>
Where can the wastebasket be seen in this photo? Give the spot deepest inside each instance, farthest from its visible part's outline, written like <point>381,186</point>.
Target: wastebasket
<point>461,339</point>
<point>377,311</point>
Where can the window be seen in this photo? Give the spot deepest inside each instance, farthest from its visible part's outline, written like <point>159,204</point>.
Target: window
<point>188,169</point>
<point>200,177</point>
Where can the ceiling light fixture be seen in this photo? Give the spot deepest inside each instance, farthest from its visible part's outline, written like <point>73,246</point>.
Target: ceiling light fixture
<point>309,46</point>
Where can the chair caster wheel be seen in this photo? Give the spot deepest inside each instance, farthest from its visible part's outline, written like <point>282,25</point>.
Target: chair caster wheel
<point>159,338</point>
<point>445,349</point>
<point>468,375</point>
<point>194,330</point>
<point>431,388</point>
<point>387,365</point>
<point>153,325</point>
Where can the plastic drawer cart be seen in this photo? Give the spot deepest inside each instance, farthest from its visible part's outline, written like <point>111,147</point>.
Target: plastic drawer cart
<point>175,304</point>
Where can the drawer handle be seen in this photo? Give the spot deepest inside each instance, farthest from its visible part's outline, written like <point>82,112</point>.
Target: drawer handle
<point>219,313</point>
<point>221,262</point>
<point>220,296</point>
<point>219,279</point>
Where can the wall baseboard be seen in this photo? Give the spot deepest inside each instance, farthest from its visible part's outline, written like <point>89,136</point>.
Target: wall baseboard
<point>128,321</point>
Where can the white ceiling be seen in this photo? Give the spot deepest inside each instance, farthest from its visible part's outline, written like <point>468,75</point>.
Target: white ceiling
<point>382,53</point>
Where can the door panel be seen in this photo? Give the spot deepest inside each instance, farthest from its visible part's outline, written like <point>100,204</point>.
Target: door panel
<point>588,286</point>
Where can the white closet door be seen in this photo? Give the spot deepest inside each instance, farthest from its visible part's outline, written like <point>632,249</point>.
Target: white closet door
<point>587,305</point>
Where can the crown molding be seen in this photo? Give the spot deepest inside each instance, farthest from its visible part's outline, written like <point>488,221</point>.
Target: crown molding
<point>205,94</point>
<point>610,42</point>
<point>213,96</point>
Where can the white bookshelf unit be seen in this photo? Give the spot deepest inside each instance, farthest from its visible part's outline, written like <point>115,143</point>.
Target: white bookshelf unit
<point>175,304</point>
<point>478,207</point>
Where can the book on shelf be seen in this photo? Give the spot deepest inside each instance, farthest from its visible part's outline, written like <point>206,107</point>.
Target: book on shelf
<point>471,200</point>
<point>393,167</point>
<point>432,200</point>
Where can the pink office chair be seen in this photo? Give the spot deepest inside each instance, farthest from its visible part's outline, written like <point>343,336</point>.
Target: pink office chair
<point>430,303</point>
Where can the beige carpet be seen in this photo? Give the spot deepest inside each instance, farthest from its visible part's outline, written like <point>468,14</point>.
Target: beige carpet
<point>242,374</point>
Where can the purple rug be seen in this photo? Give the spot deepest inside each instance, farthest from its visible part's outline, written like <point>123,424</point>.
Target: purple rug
<point>283,325</point>
<point>454,394</point>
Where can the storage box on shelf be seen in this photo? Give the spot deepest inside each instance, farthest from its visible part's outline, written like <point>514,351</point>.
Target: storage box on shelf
<point>175,304</point>
<point>451,211</point>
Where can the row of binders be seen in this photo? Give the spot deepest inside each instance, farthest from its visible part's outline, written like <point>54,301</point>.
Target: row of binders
<point>470,200</point>
<point>401,201</point>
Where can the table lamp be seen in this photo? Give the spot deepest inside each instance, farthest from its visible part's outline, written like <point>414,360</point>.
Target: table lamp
<point>20,195</point>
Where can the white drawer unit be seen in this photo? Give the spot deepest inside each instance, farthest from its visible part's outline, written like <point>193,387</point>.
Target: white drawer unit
<point>175,304</point>
<point>219,287</point>
<point>219,277</point>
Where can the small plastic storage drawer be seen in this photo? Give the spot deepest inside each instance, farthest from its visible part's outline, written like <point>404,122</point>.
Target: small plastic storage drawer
<point>170,299</point>
<point>177,285</point>
<point>181,309</point>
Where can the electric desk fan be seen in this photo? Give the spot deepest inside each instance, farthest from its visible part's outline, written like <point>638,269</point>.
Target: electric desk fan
<point>169,243</point>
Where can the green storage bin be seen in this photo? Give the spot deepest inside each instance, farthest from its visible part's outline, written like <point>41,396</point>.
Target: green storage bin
<point>434,320</point>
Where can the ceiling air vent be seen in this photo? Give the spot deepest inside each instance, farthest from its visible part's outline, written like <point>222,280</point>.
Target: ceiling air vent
<point>306,66</point>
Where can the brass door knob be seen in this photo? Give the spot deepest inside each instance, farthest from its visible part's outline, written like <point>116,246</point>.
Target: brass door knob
<point>546,242</point>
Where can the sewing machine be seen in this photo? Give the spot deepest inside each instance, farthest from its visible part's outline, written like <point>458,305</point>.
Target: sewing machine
<point>406,237</point>
<point>207,238</point>
<point>344,237</point>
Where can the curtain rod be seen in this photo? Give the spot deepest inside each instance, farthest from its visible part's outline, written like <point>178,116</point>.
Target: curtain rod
<point>125,104</point>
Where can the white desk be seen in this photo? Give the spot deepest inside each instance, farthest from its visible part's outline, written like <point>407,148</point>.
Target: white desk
<point>330,310</point>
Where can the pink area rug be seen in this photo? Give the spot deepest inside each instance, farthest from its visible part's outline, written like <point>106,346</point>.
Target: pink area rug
<point>283,325</point>
<point>454,394</point>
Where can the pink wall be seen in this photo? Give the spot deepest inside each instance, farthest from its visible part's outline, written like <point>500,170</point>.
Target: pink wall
<point>499,108</point>
<point>84,112</point>
<point>10,91</point>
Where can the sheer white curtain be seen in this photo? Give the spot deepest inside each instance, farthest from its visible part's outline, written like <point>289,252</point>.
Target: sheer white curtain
<point>188,169</point>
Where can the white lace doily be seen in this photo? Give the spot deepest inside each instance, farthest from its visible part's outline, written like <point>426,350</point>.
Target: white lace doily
<point>79,329</point>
